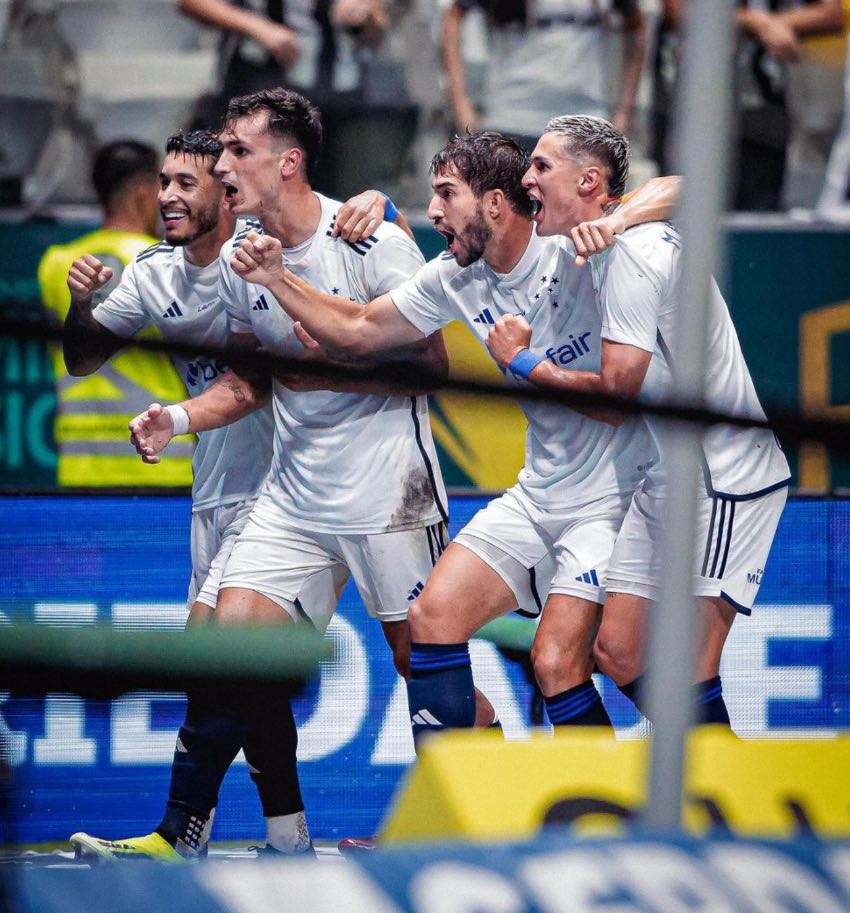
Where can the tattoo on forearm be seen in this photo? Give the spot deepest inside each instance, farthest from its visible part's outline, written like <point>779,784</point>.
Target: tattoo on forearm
<point>235,388</point>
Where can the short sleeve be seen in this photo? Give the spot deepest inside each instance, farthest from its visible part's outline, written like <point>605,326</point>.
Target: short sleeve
<point>123,312</point>
<point>392,261</point>
<point>422,300</point>
<point>630,299</point>
<point>238,321</point>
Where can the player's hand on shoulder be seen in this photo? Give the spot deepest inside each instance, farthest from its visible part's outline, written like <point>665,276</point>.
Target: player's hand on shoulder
<point>86,276</point>
<point>360,216</point>
<point>258,258</point>
<point>150,432</point>
<point>508,335</point>
<point>596,235</point>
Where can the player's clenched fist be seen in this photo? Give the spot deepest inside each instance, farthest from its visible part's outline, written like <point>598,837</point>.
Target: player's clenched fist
<point>508,335</point>
<point>258,258</point>
<point>86,276</point>
<point>596,236</point>
<point>150,432</point>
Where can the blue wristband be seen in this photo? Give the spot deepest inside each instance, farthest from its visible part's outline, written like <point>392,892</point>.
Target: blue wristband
<point>524,362</point>
<point>390,212</point>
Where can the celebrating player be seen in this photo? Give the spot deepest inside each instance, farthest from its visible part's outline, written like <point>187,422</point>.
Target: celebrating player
<point>354,486</point>
<point>172,286</point>
<point>579,474</point>
<point>745,472</point>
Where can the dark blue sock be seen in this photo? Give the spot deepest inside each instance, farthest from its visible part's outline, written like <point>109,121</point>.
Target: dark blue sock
<point>440,692</point>
<point>208,741</point>
<point>578,706</point>
<point>711,708</point>
<point>270,750</point>
<point>633,692</point>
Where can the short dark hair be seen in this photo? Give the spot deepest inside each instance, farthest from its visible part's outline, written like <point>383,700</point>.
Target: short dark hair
<point>199,143</point>
<point>119,163</point>
<point>487,160</point>
<point>587,138</point>
<point>290,115</point>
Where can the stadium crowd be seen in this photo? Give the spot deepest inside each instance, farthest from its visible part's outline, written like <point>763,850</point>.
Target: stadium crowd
<point>394,79</point>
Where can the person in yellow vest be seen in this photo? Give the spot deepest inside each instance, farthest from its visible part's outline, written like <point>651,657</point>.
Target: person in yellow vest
<point>92,412</point>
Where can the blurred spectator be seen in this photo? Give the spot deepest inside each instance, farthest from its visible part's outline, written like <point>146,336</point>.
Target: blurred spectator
<point>834,201</point>
<point>318,47</point>
<point>785,98</point>
<point>546,58</point>
<point>92,412</point>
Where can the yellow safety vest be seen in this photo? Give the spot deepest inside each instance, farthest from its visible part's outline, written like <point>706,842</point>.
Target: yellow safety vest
<point>92,412</point>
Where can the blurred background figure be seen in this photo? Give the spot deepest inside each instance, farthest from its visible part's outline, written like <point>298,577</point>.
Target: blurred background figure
<point>92,412</point>
<point>328,51</point>
<point>834,201</point>
<point>545,58</point>
<point>789,95</point>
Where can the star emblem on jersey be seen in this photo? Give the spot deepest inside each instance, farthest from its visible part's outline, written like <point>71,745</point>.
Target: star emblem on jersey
<point>334,291</point>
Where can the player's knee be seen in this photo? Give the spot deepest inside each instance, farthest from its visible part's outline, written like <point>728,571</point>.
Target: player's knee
<point>616,658</point>
<point>425,619</point>
<point>550,664</point>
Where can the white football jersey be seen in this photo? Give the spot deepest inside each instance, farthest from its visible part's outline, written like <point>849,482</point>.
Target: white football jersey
<point>161,288</point>
<point>343,462</point>
<point>639,285</point>
<point>570,460</point>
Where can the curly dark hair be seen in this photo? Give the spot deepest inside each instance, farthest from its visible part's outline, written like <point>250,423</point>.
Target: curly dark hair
<point>291,115</point>
<point>199,143</point>
<point>487,160</point>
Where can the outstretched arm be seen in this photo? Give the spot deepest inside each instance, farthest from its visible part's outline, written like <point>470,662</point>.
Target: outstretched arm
<point>229,398</point>
<point>87,344</point>
<point>623,368</point>
<point>652,202</point>
<point>279,40</point>
<point>425,364</point>
<point>349,326</point>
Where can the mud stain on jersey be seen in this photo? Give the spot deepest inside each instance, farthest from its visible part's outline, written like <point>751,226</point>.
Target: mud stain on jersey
<point>417,499</point>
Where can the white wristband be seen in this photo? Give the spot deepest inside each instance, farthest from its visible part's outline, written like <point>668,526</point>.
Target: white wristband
<point>180,419</point>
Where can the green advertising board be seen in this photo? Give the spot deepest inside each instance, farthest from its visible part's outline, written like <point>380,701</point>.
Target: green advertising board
<point>788,288</point>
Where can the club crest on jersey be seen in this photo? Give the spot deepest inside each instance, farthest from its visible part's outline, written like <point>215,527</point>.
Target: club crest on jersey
<point>570,351</point>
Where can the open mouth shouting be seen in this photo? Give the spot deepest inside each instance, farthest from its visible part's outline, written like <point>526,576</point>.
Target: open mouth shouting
<point>231,194</point>
<point>451,240</point>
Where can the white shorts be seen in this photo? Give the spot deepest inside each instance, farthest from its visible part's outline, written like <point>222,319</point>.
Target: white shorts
<point>539,552</point>
<point>212,536</point>
<point>304,571</point>
<point>733,541</point>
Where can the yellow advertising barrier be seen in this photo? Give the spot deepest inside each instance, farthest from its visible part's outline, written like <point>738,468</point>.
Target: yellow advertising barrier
<point>476,786</point>
<point>484,439</point>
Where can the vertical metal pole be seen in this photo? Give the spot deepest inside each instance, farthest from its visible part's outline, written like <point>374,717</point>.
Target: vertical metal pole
<point>702,122</point>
